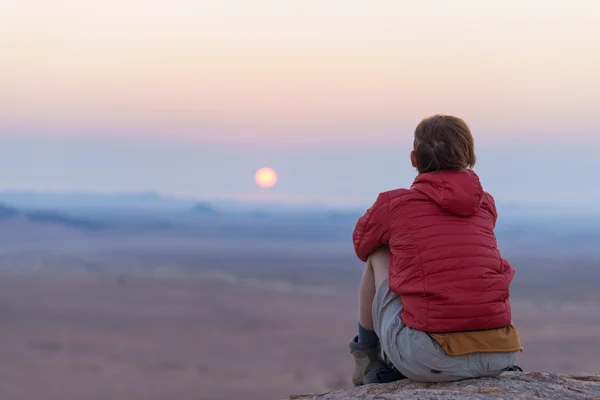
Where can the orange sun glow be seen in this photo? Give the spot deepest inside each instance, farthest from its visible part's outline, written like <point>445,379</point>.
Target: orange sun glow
<point>265,177</point>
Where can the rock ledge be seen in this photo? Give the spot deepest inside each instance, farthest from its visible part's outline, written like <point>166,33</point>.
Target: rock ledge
<point>510,385</point>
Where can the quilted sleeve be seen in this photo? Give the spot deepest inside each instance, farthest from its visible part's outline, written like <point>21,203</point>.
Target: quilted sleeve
<point>371,230</point>
<point>490,205</point>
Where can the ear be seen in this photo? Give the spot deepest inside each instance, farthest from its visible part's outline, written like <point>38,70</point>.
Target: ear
<point>413,159</point>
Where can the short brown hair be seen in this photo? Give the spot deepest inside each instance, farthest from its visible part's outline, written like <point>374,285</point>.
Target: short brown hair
<point>443,142</point>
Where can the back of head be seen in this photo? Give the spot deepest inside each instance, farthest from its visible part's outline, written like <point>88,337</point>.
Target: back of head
<point>444,153</point>
<point>443,142</point>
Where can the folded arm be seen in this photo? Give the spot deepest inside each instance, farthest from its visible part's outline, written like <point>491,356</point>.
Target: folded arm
<point>371,230</point>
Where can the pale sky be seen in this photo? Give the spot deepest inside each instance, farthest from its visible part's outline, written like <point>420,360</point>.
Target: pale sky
<point>221,88</point>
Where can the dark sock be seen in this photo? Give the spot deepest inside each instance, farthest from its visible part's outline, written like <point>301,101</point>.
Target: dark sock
<point>366,337</point>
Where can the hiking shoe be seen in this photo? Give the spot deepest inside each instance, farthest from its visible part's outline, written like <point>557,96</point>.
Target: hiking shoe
<point>391,374</point>
<point>369,367</point>
<point>514,368</point>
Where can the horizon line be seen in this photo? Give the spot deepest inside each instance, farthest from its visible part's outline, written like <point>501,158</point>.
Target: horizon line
<point>256,200</point>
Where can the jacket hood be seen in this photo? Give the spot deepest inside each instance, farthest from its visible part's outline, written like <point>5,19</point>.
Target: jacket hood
<point>456,191</point>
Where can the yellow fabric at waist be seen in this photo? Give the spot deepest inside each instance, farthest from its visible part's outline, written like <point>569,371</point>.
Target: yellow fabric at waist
<point>502,340</point>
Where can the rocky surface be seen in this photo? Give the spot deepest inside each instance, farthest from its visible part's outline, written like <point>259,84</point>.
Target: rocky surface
<point>510,385</point>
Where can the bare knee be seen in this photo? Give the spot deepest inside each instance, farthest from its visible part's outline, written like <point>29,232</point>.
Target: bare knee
<point>379,262</point>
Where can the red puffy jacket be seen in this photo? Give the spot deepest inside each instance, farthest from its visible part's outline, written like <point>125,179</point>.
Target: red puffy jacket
<point>445,261</point>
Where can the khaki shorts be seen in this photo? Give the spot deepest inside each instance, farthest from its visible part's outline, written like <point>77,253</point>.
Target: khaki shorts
<point>420,358</point>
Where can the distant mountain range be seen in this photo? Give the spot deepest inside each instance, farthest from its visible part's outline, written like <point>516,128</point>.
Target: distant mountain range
<point>85,205</point>
<point>8,212</point>
<point>204,208</point>
<point>192,219</point>
<point>140,203</point>
<point>520,228</point>
<point>47,217</point>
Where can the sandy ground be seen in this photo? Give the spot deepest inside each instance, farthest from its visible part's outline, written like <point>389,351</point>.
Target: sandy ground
<point>105,338</point>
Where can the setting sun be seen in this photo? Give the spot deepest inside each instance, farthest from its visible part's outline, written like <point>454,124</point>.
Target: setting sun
<point>265,177</point>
